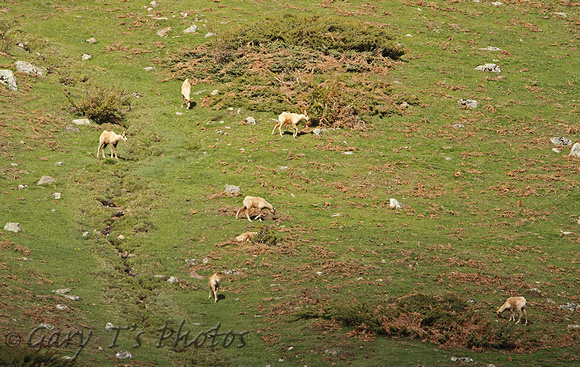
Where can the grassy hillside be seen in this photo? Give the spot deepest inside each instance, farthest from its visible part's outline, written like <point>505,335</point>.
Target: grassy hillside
<point>336,276</point>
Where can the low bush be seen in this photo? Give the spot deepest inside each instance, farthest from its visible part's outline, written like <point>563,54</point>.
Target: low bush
<point>102,104</point>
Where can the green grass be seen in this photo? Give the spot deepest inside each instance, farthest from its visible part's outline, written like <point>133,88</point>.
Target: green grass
<point>489,210</point>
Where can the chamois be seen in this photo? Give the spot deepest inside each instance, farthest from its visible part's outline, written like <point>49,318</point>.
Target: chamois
<point>110,138</point>
<point>186,94</point>
<point>255,202</point>
<point>514,304</point>
<point>214,286</point>
<point>287,118</point>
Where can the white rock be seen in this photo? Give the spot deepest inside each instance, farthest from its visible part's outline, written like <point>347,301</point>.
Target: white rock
<point>149,68</point>
<point>489,67</point>
<point>560,140</point>
<point>395,204</point>
<point>56,195</point>
<point>191,29</point>
<point>467,102</point>
<point>92,40</point>
<point>13,227</point>
<point>209,34</point>
<point>575,152</point>
<point>172,280</point>
<point>163,32</point>
<point>490,48</point>
<point>123,355</point>
<point>46,180</point>
<point>7,77</point>
<point>85,57</point>
<point>81,122</point>
<point>28,68</point>
<point>61,291</point>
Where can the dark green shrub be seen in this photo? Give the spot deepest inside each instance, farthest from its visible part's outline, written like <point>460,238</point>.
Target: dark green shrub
<point>102,104</point>
<point>24,356</point>
<point>266,235</point>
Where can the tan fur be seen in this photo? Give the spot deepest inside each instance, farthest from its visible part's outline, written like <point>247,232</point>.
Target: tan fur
<point>214,286</point>
<point>255,202</point>
<point>186,94</point>
<point>112,139</point>
<point>514,304</point>
<point>293,119</point>
<point>246,237</point>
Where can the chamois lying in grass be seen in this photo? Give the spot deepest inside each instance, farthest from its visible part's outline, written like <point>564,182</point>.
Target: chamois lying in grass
<point>214,286</point>
<point>186,94</point>
<point>255,202</point>
<point>514,304</point>
<point>287,118</point>
<point>112,139</point>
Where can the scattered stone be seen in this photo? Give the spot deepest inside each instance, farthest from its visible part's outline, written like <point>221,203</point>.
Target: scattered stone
<point>124,354</point>
<point>191,29</point>
<point>250,120</point>
<point>575,152</point>
<point>205,260</point>
<point>549,300</point>
<point>190,262</point>
<point>120,237</point>
<point>149,68</point>
<point>85,57</point>
<point>109,326</point>
<point>232,189</point>
<point>81,122</point>
<point>71,129</point>
<point>13,227</point>
<point>7,77</point>
<point>489,67</point>
<point>153,4</point>
<point>573,327</point>
<point>172,280</point>
<point>572,307</point>
<point>163,32</point>
<point>461,359</point>
<point>535,290</point>
<point>28,68</point>
<point>467,102</point>
<point>490,48</point>
<point>563,15</point>
<point>395,204</point>
<point>472,300</point>
<point>404,105</point>
<point>458,126</point>
<point>497,3</point>
<point>215,92</point>
<point>61,307</point>
<point>71,297</point>
<point>555,150</point>
<point>61,291</point>
<point>46,326</point>
<point>46,180</point>
<point>333,351</point>
<point>22,187</point>
<point>209,34</point>
<point>317,131</point>
<point>56,195</point>
<point>348,153</point>
<point>560,140</point>
<point>92,40</point>
<point>231,272</point>
<point>85,233</point>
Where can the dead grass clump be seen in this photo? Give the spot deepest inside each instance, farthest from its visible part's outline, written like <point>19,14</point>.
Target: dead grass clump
<point>447,321</point>
<point>328,65</point>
